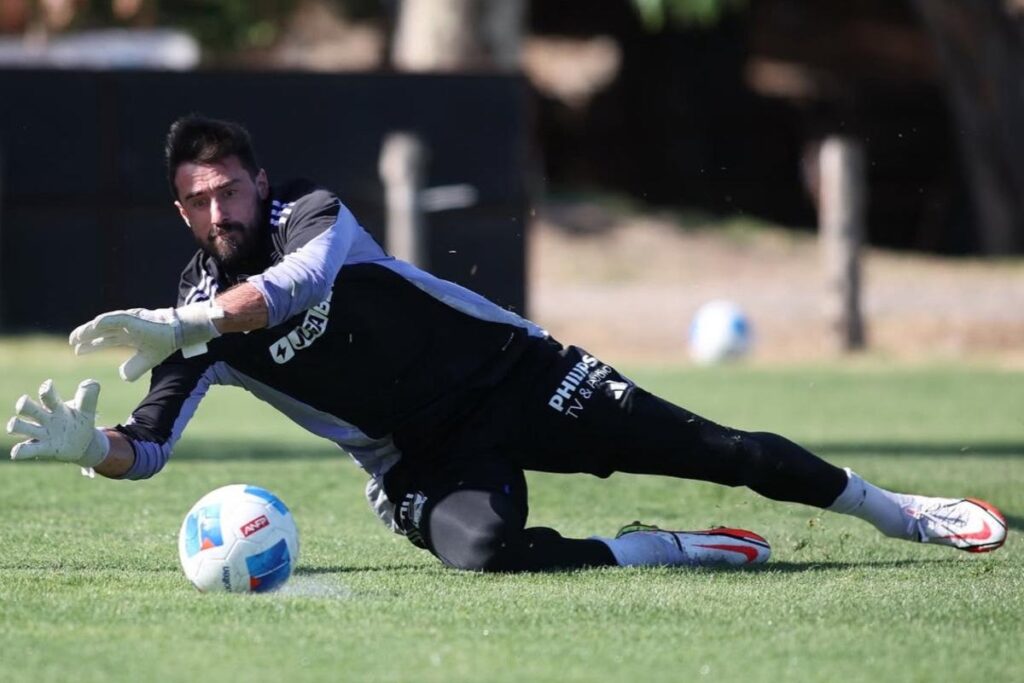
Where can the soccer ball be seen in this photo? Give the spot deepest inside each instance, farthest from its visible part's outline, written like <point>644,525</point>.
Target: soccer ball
<point>719,331</point>
<point>238,539</point>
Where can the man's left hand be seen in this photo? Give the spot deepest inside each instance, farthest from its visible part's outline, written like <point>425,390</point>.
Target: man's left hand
<point>153,334</point>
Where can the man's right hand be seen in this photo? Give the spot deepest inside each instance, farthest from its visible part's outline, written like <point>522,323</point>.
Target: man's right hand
<point>59,430</point>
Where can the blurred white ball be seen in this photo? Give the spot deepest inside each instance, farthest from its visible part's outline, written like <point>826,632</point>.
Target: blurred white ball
<point>720,331</point>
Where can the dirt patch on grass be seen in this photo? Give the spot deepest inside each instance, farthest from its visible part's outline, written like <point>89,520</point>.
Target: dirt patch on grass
<point>626,286</point>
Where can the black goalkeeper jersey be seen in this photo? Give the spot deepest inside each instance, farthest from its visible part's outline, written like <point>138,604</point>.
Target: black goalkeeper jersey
<point>361,348</point>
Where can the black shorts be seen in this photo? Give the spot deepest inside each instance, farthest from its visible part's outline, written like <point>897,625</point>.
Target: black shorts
<point>561,410</point>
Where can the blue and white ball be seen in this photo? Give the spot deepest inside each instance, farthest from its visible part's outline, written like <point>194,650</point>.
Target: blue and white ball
<point>720,331</point>
<point>238,539</point>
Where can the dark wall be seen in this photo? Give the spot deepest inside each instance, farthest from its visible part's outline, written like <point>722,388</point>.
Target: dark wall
<point>87,222</point>
<point>678,125</point>
<point>683,123</point>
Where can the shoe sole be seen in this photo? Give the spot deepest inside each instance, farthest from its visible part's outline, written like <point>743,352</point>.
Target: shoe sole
<point>758,554</point>
<point>754,547</point>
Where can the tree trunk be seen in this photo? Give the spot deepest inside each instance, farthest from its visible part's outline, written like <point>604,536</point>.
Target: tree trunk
<point>980,44</point>
<point>841,210</point>
<point>457,35</point>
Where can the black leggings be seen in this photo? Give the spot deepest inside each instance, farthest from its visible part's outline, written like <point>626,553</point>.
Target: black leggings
<point>767,463</point>
<point>468,505</point>
<point>483,530</point>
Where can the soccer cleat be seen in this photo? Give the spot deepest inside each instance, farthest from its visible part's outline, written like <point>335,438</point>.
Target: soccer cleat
<point>966,523</point>
<point>714,547</point>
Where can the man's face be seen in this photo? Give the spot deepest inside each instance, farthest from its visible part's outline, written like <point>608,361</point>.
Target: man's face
<point>221,203</point>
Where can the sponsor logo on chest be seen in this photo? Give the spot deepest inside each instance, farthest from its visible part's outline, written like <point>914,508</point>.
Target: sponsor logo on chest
<point>303,336</point>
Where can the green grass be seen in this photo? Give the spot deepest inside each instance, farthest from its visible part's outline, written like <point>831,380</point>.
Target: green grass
<point>90,588</point>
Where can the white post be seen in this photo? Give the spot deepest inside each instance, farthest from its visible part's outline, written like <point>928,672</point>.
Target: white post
<point>841,219</point>
<point>402,162</point>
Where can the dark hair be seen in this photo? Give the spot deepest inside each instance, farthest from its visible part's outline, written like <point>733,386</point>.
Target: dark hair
<point>196,138</point>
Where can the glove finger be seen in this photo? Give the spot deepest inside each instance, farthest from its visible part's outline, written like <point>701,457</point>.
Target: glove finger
<point>137,366</point>
<point>48,396</point>
<point>87,396</point>
<point>83,331</point>
<point>75,337</point>
<point>91,346</point>
<point>28,450</point>
<point>102,326</point>
<point>26,407</point>
<point>22,428</point>
<point>117,339</point>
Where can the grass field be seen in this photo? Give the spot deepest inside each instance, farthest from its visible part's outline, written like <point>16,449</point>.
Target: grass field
<point>90,588</point>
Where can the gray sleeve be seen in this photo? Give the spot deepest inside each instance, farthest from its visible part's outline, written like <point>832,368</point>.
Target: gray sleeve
<point>176,388</point>
<point>305,276</point>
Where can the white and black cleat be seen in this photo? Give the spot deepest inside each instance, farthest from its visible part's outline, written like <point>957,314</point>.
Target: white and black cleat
<point>713,547</point>
<point>965,523</point>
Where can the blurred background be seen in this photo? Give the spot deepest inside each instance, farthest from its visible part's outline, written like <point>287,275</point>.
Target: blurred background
<point>849,174</point>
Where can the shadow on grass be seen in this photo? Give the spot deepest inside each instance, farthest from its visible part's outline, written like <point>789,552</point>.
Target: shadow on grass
<point>202,449</point>
<point>775,567</point>
<point>208,449</point>
<point>68,568</point>
<point>897,448</point>
<point>311,571</point>
<point>1015,522</point>
<point>799,567</point>
<point>64,567</point>
<point>253,449</point>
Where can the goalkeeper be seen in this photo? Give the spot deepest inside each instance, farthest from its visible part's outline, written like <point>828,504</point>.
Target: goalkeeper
<point>441,396</point>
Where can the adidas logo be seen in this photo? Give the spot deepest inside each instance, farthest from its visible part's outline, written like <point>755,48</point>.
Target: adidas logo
<point>618,389</point>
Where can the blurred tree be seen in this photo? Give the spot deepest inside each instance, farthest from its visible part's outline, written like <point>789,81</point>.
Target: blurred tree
<point>220,25</point>
<point>227,25</point>
<point>657,13</point>
<point>457,35</point>
<point>981,48</point>
<point>223,27</point>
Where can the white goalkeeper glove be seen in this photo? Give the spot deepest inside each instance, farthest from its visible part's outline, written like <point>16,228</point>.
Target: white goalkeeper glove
<point>154,334</point>
<point>58,430</point>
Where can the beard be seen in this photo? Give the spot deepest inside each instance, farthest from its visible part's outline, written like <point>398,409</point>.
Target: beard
<point>237,247</point>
